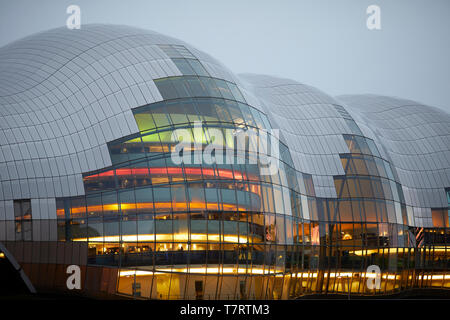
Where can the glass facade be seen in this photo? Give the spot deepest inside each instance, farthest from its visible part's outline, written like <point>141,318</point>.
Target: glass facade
<point>148,226</point>
<point>149,214</point>
<point>222,231</point>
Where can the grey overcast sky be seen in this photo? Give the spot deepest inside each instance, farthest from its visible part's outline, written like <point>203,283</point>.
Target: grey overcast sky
<point>323,43</point>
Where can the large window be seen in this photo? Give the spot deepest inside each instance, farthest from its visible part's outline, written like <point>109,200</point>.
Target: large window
<point>22,216</point>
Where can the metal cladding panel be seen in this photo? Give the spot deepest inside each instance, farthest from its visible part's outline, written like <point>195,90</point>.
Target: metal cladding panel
<point>309,122</point>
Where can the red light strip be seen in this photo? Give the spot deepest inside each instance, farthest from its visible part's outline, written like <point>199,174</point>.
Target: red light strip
<point>207,172</point>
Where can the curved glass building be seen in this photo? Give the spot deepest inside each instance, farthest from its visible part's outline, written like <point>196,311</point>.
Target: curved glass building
<point>282,191</point>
